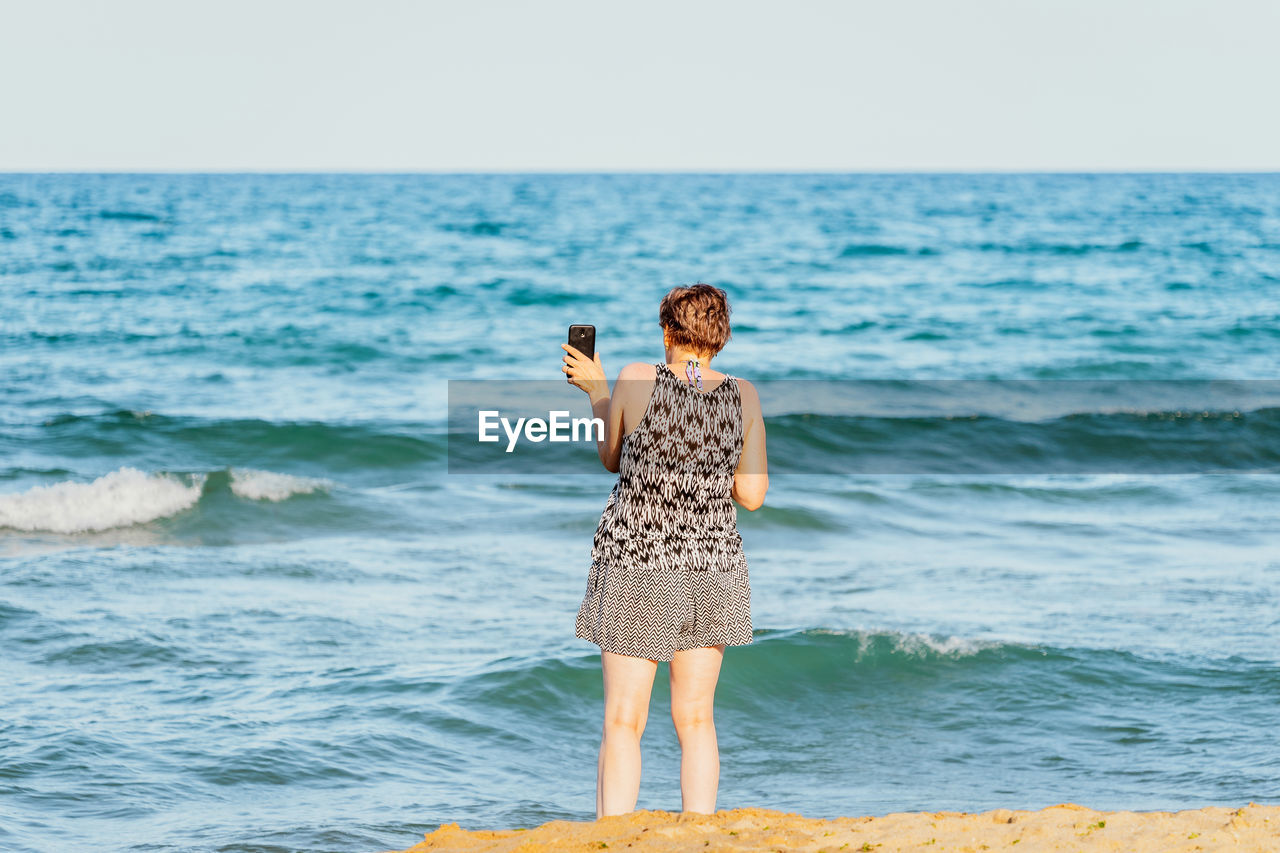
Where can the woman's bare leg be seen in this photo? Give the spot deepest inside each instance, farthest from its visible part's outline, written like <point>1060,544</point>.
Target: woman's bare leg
<point>628,683</point>
<point>694,673</point>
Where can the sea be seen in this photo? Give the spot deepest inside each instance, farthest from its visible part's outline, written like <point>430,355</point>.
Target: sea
<point>247,604</point>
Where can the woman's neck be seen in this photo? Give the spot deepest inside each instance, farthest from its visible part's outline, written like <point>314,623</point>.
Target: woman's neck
<point>676,355</point>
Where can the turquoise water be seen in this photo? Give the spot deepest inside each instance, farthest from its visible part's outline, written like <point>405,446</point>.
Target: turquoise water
<point>244,607</point>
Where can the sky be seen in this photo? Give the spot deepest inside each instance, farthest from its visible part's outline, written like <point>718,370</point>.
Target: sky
<point>693,85</point>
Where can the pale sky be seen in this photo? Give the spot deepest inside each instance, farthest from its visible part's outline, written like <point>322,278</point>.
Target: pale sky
<point>573,85</point>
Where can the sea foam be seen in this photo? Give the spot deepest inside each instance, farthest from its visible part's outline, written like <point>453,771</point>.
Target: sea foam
<point>121,498</point>
<point>272,486</point>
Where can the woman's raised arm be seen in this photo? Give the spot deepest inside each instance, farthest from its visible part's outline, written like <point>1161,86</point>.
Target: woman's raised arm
<point>590,377</point>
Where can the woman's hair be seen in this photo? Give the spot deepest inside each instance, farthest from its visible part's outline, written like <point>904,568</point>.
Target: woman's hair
<point>696,317</point>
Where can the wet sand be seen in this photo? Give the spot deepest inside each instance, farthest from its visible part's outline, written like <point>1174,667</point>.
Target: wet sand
<point>1064,827</point>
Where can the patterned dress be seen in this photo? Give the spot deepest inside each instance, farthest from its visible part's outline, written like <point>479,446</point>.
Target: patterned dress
<point>667,567</point>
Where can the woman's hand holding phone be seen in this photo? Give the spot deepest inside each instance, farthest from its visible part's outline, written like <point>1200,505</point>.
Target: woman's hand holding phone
<point>586,373</point>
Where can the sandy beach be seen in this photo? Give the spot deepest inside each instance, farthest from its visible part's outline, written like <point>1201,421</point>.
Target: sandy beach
<point>1065,827</point>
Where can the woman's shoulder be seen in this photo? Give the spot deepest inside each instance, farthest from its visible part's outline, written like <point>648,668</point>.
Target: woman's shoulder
<point>747,391</point>
<point>638,370</point>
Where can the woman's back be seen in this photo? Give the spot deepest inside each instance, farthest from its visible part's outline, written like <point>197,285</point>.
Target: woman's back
<point>676,470</point>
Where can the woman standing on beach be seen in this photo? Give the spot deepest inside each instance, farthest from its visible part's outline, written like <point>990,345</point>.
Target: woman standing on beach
<point>668,578</point>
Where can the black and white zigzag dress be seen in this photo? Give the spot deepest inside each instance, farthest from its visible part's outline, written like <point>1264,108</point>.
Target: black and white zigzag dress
<point>667,567</point>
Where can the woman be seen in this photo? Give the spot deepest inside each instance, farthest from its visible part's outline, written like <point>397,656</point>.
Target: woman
<point>668,579</point>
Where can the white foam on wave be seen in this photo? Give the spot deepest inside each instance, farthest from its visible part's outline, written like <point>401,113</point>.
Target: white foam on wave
<point>272,486</point>
<point>915,644</point>
<point>121,498</point>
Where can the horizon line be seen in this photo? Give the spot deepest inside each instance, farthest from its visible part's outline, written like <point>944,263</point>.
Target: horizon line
<point>1261,170</point>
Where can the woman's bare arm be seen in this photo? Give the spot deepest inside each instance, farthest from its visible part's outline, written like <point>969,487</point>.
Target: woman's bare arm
<point>609,447</point>
<point>751,480</point>
<point>590,377</point>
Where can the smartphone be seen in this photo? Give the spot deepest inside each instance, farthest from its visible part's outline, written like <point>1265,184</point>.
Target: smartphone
<point>583,339</point>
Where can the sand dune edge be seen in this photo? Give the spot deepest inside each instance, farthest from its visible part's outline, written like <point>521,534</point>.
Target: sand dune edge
<point>1064,827</point>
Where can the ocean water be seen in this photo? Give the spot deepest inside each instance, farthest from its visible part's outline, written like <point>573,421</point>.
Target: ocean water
<point>245,607</point>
